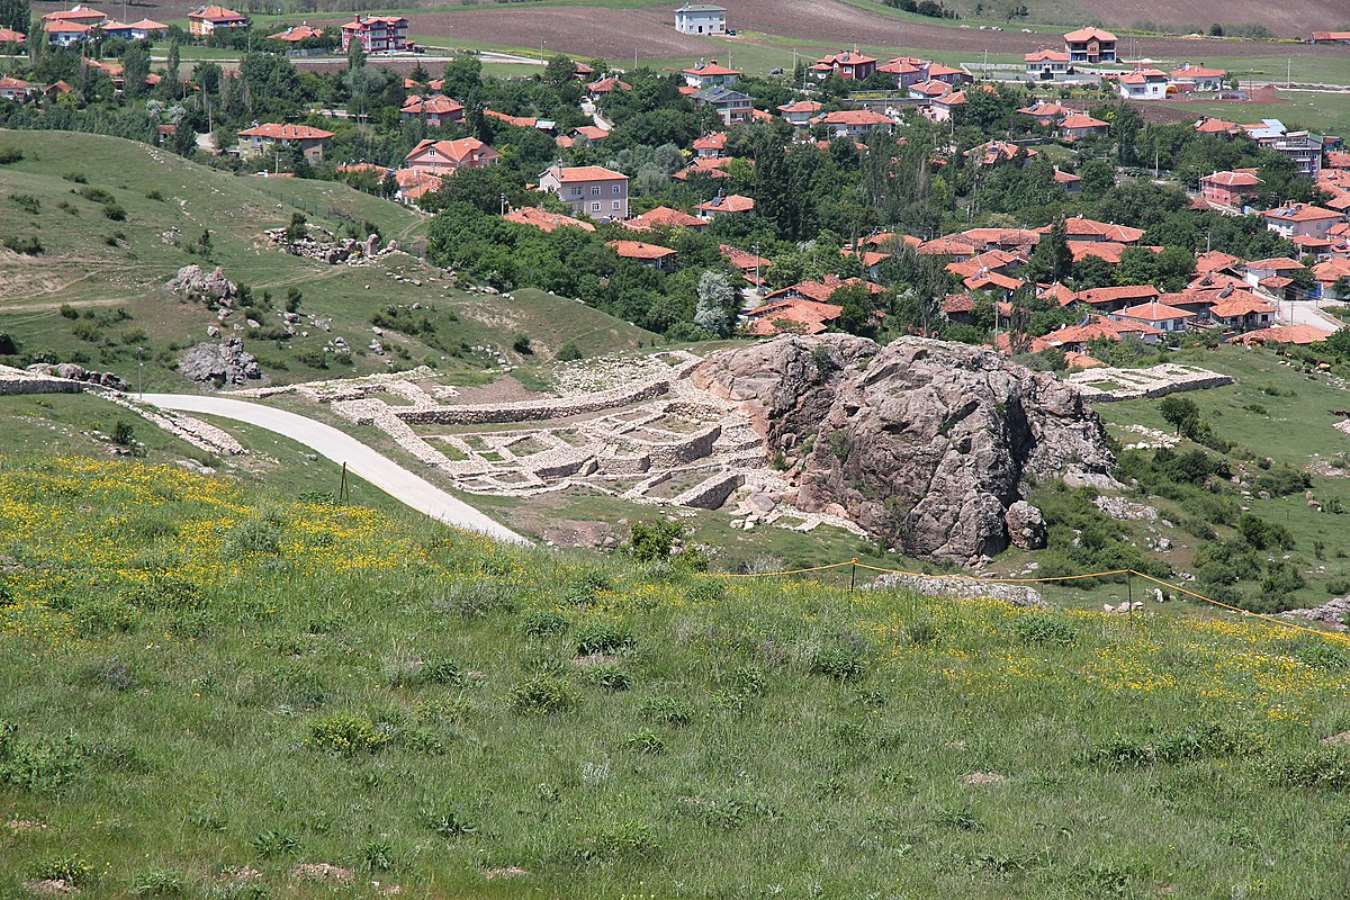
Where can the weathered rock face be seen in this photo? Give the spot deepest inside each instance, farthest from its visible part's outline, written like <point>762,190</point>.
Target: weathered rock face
<point>219,364</point>
<point>925,444</point>
<point>195,282</point>
<point>1026,526</point>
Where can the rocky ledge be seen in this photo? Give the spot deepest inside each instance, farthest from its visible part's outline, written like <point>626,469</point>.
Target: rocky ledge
<point>927,445</point>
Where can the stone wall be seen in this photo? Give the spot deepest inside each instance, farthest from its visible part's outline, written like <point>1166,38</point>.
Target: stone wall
<point>1110,385</point>
<point>532,410</point>
<point>17,381</point>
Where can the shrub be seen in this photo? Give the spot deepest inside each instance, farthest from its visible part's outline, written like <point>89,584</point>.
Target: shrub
<point>158,883</point>
<point>110,673</point>
<point>1318,653</point>
<point>1043,629</point>
<point>645,741</point>
<point>29,246</point>
<point>543,623</point>
<point>602,637</point>
<point>259,534</point>
<point>472,599</point>
<point>922,632</point>
<point>666,710</point>
<point>1335,587</point>
<point>8,346</point>
<point>544,694</point>
<point>345,734</point>
<point>1323,767</point>
<point>521,344</point>
<point>37,764</point>
<point>610,677</point>
<point>70,869</point>
<point>1196,742</point>
<point>26,202</point>
<point>840,663</point>
<point>651,541</point>
<point>270,844</point>
<point>445,822</point>
<point>166,592</point>
<point>377,856</point>
<point>569,353</point>
<point>439,670</point>
<point>153,195</point>
<point>625,839</point>
<point>94,618</point>
<point>10,155</point>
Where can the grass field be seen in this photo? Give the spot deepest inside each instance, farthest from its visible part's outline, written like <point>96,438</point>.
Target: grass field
<point>224,692</point>
<point>108,274</point>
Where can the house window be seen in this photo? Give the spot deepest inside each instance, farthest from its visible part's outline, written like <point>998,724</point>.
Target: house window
<point>595,190</point>
<point>616,190</point>
<point>595,207</point>
<point>616,205</point>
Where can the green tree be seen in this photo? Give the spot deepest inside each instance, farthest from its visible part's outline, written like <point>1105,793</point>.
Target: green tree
<point>356,55</point>
<point>463,77</point>
<point>1051,260</point>
<point>716,301</point>
<point>1181,413</point>
<point>136,65</point>
<point>17,16</point>
<point>859,313</point>
<point>170,83</point>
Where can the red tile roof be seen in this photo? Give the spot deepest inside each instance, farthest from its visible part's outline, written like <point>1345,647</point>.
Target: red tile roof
<point>1093,296</point>
<point>1232,179</point>
<point>1154,311</point>
<point>607,85</point>
<point>435,105</point>
<point>854,118</point>
<point>639,250</point>
<point>716,140</point>
<point>516,121</point>
<point>217,14</point>
<point>1274,264</point>
<point>1047,55</point>
<point>1214,260</point>
<point>278,132</point>
<point>544,220</point>
<point>1282,334</point>
<point>1078,120</point>
<point>1300,212</point>
<point>10,36</point>
<point>572,174</point>
<point>1090,33</point>
<point>710,69</point>
<point>664,217</point>
<point>800,106</point>
<point>730,203</point>
<point>796,315</point>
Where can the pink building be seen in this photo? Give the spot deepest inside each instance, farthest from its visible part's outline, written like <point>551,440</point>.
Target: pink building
<point>595,191</point>
<point>377,34</point>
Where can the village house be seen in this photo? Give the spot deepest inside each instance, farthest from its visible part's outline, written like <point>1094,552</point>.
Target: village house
<point>1077,126</point>
<point>1080,338</point>
<point>907,70</point>
<point>1242,312</point>
<point>701,18</point>
<point>206,20</point>
<point>733,107</point>
<point>711,166</point>
<point>10,36</point>
<point>725,205</point>
<point>1159,316</point>
<point>1217,127</point>
<point>589,134</point>
<point>665,217</point>
<point>1329,273</point>
<point>1301,219</point>
<point>1047,65</point>
<point>377,34</point>
<point>799,113</point>
<point>998,152</point>
<point>66,34</point>
<point>266,138</point>
<point>849,65</point>
<point>1045,113</point>
<point>16,90</point>
<point>710,145</point>
<point>943,108</point>
<point>708,74</point>
<point>947,75</point>
<point>1198,78</point>
<point>650,255</point>
<point>1260,272</point>
<point>298,34</point>
<point>78,14</point>
<point>928,90</point>
<point>1111,299</point>
<point>1303,148</point>
<point>545,221</point>
<point>1090,45</point>
<point>1081,228</point>
<point>143,30</point>
<point>1072,184</point>
<point>602,87</point>
<point>1229,190</point>
<point>444,158</point>
<point>595,191</point>
<point>750,265</point>
<point>1144,84</point>
<point>1215,261</point>
<point>849,123</point>
<point>1282,334</point>
<point>791,316</point>
<point>435,110</point>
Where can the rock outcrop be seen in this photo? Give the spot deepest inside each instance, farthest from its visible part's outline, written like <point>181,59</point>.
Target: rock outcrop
<point>79,373</point>
<point>923,443</point>
<point>219,364</point>
<point>198,284</point>
<point>1026,526</point>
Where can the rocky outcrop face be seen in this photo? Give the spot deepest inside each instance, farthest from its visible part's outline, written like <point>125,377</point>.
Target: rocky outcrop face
<point>196,283</point>
<point>219,364</point>
<point>923,443</point>
<point>328,248</point>
<point>1026,526</point>
<point>79,373</point>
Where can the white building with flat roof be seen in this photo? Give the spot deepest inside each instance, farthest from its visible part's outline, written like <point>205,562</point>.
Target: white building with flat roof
<point>701,18</point>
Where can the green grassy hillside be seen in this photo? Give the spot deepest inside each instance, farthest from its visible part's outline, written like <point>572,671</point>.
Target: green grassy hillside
<point>218,690</point>
<point>115,219</point>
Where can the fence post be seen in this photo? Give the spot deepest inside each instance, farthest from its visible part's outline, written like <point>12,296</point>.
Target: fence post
<point>342,485</point>
<point>852,574</point>
<point>1129,593</point>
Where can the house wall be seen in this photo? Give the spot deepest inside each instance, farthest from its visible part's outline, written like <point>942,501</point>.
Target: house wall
<point>601,200</point>
<point>701,22</point>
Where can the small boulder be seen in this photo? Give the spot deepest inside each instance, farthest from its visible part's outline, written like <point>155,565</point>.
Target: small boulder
<point>1026,526</point>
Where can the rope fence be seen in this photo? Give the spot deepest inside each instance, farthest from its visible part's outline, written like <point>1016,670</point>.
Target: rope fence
<point>854,567</point>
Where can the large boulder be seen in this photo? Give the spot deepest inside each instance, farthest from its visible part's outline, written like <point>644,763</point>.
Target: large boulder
<point>219,364</point>
<point>1026,526</point>
<point>923,443</point>
<point>195,282</point>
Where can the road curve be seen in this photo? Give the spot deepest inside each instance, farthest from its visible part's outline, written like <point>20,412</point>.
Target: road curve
<point>409,489</point>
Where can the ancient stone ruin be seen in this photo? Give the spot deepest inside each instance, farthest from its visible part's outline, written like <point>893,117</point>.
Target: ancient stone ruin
<point>325,247</point>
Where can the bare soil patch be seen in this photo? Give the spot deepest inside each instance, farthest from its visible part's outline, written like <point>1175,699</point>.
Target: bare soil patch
<point>504,390</point>
<point>1293,19</point>
<point>611,33</point>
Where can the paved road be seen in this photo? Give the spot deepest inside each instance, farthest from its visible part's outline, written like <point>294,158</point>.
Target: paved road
<point>387,475</point>
<point>1306,312</point>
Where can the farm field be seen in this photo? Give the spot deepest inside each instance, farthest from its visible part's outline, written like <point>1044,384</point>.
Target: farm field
<point>1304,109</point>
<point>322,698</point>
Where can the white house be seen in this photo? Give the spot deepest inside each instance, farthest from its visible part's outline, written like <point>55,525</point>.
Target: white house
<point>1144,84</point>
<point>701,18</point>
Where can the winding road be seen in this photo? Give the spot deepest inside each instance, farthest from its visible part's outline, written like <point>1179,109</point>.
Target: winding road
<point>411,490</point>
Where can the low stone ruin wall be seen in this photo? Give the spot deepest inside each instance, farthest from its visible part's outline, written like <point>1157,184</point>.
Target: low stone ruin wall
<point>17,381</point>
<point>532,410</point>
<point>1109,385</point>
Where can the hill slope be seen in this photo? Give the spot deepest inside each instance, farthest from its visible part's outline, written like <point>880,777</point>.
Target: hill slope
<point>223,695</point>
<point>106,269</point>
